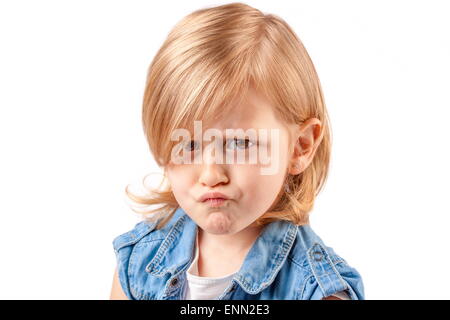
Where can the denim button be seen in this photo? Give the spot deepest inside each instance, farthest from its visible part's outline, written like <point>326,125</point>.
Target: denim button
<point>174,282</point>
<point>317,255</point>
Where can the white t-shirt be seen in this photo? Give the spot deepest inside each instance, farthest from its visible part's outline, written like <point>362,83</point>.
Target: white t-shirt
<point>210,288</point>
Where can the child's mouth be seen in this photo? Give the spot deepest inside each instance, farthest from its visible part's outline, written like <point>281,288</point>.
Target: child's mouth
<point>215,202</point>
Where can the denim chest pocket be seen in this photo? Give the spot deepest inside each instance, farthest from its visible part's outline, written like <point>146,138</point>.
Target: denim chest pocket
<point>144,285</point>
<point>132,249</point>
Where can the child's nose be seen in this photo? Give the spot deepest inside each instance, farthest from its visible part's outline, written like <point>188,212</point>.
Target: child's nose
<point>213,174</point>
<point>212,170</point>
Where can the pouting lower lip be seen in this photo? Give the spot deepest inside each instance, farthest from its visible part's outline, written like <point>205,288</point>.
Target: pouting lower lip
<point>215,201</point>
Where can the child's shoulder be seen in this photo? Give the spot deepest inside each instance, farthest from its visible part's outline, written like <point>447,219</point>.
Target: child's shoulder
<point>309,248</point>
<point>144,231</point>
<point>326,268</point>
<point>141,230</point>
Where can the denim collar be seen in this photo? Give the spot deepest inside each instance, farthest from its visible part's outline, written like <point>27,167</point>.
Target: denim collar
<point>260,266</point>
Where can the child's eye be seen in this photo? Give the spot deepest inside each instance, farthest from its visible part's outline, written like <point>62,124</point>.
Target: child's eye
<point>242,143</point>
<point>191,145</point>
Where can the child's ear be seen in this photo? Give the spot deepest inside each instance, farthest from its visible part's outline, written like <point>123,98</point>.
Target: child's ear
<point>307,140</point>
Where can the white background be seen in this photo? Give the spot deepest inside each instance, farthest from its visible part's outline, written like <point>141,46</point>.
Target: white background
<point>72,77</point>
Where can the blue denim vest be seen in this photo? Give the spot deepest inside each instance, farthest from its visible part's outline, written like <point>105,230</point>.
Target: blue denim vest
<point>286,262</point>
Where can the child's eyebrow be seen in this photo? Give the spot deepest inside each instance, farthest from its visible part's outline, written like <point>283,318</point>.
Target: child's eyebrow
<point>257,129</point>
<point>235,131</point>
<point>259,133</point>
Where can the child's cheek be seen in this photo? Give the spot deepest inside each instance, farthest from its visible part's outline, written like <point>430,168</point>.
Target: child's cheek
<point>261,190</point>
<point>180,181</point>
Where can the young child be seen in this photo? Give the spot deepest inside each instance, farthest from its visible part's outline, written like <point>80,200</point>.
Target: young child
<point>226,229</point>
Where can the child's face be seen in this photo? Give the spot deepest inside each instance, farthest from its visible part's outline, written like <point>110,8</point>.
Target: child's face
<point>250,192</point>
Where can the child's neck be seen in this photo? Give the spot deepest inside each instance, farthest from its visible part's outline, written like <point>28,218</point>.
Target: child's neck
<point>220,255</point>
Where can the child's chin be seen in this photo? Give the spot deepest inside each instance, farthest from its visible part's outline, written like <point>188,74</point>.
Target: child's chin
<point>218,222</point>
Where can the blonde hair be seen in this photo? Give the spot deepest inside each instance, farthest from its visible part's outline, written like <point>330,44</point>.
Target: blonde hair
<point>211,57</point>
